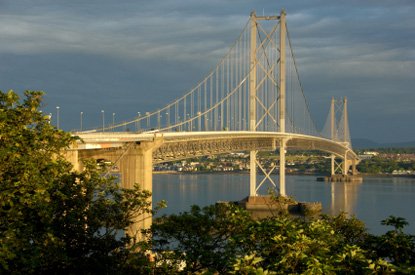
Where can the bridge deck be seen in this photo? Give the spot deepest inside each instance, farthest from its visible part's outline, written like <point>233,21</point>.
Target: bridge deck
<point>236,140</point>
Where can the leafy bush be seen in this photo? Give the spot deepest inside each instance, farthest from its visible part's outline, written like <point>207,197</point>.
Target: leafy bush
<point>53,219</point>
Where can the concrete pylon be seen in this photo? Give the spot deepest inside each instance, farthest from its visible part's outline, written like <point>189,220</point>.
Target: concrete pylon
<point>136,166</point>
<point>72,157</point>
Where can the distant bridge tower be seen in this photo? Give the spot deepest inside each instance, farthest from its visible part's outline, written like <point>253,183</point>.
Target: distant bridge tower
<point>339,126</point>
<point>275,75</point>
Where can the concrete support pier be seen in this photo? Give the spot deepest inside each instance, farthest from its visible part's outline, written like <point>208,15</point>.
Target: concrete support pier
<point>136,168</point>
<point>135,161</point>
<point>267,206</point>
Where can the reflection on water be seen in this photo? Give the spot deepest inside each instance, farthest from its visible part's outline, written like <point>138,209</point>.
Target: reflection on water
<point>371,201</point>
<point>343,197</point>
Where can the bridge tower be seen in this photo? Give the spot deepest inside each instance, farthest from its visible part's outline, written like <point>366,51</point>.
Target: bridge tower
<point>257,50</point>
<point>340,132</point>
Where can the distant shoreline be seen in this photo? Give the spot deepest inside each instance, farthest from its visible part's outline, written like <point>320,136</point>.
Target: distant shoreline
<point>288,174</point>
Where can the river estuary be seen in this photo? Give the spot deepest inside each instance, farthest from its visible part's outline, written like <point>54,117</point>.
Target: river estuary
<point>371,201</point>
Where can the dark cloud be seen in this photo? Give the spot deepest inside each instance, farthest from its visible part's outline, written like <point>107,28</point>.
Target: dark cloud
<point>98,55</point>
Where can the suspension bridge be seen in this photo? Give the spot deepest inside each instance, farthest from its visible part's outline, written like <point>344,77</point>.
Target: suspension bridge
<point>253,100</point>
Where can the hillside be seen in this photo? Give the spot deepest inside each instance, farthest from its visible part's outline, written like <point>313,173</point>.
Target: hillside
<point>360,143</point>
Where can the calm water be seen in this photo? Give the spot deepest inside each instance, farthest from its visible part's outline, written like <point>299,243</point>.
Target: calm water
<point>371,201</point>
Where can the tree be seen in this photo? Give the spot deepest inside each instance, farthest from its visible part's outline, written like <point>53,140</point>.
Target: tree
<point>199,238</point>
<point>53,219</point>
<point>395,246</point>
<point>228,241</point>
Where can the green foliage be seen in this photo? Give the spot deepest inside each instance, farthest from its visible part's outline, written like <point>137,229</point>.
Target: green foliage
<point>378,165</point>
<point>248,265</point>
<point>51,218</point>
<point>277,199</point>
<point>331,245</point>
<point>394,246</point>
<point>352,230</point>
<point>397,222</point>
<point>200,238</point>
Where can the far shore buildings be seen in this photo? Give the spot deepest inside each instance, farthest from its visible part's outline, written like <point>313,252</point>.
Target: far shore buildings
<point>236,162</point>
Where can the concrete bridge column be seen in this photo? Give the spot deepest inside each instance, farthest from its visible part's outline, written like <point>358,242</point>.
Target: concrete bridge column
<point>137,167</point>
<point>345,166</point>
<point>73,157</point>
<point>252,177</point>
<point>354,171</point>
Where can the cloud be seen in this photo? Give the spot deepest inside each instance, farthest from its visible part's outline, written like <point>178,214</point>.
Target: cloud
<point>102,51</point>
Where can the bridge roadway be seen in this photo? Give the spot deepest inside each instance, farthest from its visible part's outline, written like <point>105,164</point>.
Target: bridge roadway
<point>135,153</point>
<point>182,145</point>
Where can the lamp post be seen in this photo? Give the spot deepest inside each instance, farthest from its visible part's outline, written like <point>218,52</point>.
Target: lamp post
<point>159,116</point>
<point>57,117</point>
<point>103,123</point>
<point>199,114</point>
<point>207,124</point>
<point>167,119</point>
<point>138,122</point>
<point>81,119</point>
<point>113,116</point>
<point>148,120</point>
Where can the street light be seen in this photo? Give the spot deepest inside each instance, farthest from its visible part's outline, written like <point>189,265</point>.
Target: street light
<point>158,119</point>
<point>113,116</point>
<point>138,122</point>
<point>167,119</point>
<point>57,117</point>
<point>103,123</point>
<point>81,119</point>
<point>199,114</point>
<point>207,124</point>
<point>148,120</point>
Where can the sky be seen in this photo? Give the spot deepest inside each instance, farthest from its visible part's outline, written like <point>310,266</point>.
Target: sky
<point>131,55</point>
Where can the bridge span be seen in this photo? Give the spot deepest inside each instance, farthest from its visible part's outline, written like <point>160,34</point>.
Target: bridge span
<point>182,145</point>
<point>158,147</point>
